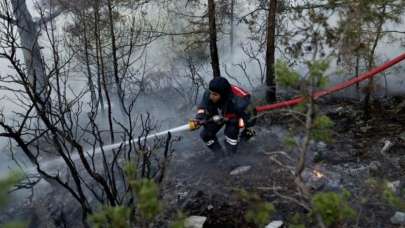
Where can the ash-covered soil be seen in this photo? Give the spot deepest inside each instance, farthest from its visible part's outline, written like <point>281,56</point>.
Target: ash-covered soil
<point>200,182</point>
<point>362,156</point>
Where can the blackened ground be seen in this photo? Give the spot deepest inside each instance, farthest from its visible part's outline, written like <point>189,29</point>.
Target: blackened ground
<point>200,182</point>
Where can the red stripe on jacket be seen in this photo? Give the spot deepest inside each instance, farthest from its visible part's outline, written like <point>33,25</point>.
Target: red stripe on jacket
<point>237,91</point>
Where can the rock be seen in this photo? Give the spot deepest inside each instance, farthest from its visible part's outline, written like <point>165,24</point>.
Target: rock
<point>387,146</point>
<point>240,170</point>
<point>321,146</point>
<point>394,186</point>
<point>182,195</point>
<point>195,222</point>
<point>318,156</point>
<point>339,109</point>
<point>375,168</point>
<point>275,224</point>
<point>398,218</point>
<point>365,129</point>
<point>362,171</point>
<point>402,136</point>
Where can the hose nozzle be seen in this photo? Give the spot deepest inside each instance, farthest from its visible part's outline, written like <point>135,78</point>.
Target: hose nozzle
<point>193,125</point>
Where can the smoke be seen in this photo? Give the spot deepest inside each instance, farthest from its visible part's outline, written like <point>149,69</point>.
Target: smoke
<point>247,72</point>
<point>166,67</point>
<point>9,157</point>
<point>6,161</point>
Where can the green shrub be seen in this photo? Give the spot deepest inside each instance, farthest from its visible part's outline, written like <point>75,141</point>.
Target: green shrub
<point>332,207</point>
<point>258,211</point>
<point>317,71</point>
<point>297,221</point>
<point>147,204</point>
<point>15,225</point>
<point>179,221</point>
<point>5,185</point>
<point>322,128</point>
<point>289,142</point>
<point>111,217</point>
<point>392,199</point>
<point>285,75</point>
<point>380,187</point>
<point>146,192</point>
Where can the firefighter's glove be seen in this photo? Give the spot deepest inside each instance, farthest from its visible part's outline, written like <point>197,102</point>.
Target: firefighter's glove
<point>247,134</point>
<point>201,117</point>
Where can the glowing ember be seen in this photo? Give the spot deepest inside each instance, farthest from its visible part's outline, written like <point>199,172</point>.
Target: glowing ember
<point>318,174</point>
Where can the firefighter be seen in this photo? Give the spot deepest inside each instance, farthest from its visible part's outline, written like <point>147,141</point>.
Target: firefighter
<point>223,104</point>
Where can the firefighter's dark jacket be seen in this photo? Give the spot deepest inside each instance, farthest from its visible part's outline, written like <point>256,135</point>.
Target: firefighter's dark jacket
<point>231,107</point>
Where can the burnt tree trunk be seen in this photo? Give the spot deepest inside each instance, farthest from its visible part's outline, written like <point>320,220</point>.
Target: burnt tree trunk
<point>270,52</point>
<point>28,31</point>
<point>213,39</point>
<point>232,32</point>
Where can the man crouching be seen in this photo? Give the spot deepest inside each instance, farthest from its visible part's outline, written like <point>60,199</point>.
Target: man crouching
<point>223,104</point>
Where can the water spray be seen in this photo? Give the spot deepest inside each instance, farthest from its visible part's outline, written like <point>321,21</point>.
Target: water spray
<point>110,147</point>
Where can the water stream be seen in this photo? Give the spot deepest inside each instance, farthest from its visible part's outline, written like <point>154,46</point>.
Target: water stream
<point>57,161</point>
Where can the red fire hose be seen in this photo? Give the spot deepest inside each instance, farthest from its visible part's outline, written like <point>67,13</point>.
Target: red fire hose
<point>335,88</point>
